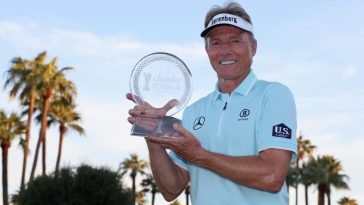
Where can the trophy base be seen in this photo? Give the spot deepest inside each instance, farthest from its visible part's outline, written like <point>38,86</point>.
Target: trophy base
<point>146,125</point>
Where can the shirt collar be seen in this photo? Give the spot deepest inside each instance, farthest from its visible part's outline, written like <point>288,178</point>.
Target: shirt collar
<point>243,89</point>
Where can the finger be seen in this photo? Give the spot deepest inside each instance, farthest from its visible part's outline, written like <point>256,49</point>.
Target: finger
<point>146,123</point>
<point>147,105</point>
<point>141,122</point>
<point>162,140</point>
<point>142,109</point>
<point>131,120</point>
<point>134,112</point>
<point>181,131</point>
<point>136,99</point>
<point>170,104</point>
<point>129,96</point>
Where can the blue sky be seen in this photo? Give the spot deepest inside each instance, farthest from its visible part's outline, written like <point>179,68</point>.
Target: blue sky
<point>314,47</point>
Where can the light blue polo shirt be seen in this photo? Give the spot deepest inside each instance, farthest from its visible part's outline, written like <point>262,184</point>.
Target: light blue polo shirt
<point>258,115</point>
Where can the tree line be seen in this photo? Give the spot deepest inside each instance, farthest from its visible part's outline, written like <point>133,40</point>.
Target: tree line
<point>324,172</point>
<point>44,94</point>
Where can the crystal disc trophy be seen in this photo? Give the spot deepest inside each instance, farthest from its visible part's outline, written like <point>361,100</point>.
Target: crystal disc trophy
<point>157,79</point>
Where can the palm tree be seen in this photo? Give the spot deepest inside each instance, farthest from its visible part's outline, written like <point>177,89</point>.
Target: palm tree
<point>327,173</point>
<point>62,111</point>
<point>347,201</point>
<point>135,166</point>
<point>305,150</point>
<point>23,78</point>
<point>53,83</point>
<point>151,186</point>
<point>10,127</point>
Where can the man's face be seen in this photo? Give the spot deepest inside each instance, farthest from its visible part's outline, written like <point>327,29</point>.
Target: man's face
<point>231,52</point>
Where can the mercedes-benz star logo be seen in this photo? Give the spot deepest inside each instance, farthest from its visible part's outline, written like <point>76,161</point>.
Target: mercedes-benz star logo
<point>197,124</point>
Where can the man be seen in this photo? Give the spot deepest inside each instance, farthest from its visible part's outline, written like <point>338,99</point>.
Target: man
<point>236,143</point>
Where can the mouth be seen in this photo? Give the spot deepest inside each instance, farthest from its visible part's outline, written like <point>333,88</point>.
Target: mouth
<point>229,62</point>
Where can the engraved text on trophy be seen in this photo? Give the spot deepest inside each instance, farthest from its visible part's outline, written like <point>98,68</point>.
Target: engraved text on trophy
<point>164,83</point>
<point>147,78</point>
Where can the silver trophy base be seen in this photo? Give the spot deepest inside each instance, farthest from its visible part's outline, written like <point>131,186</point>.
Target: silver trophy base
<point>162,126</point>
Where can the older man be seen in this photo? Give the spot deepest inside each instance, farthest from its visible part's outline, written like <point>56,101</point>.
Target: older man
<point>236,144</point>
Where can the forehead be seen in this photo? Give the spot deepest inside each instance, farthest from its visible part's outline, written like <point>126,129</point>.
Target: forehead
<point>226,30</point>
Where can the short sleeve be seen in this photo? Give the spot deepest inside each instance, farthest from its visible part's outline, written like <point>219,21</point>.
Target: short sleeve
<point>277,122</point>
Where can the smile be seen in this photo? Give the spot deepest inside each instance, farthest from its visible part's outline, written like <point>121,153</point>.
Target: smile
<point>227,62</point>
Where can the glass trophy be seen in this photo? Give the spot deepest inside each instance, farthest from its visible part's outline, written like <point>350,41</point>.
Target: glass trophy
<point>157,79</point>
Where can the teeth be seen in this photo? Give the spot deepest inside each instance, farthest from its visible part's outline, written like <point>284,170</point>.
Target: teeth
<point>227,62</point>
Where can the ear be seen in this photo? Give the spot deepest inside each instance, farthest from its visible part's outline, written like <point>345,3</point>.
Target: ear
<point>205,40</point>
<point>254,46</point>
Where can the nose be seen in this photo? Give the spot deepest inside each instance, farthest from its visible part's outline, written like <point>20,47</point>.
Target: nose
<point>225,49</point>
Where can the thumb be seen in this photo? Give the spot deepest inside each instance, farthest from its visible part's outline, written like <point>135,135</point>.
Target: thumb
<point>181,131</point>
<point>170,104</point>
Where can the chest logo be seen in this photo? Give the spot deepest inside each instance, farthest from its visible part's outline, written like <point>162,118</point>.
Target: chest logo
<point>197,124</point>
<point>244,114</point>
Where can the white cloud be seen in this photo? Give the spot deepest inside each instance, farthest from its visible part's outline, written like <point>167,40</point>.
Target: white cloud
<point>351,72</point>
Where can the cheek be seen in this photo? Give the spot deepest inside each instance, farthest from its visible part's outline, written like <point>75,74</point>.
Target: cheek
<point>212,54</point>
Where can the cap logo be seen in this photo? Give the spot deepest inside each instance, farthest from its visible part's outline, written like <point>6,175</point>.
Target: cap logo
<point>222,19</point>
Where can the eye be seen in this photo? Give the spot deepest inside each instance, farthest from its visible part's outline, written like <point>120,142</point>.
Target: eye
<point>214,43</point>
<point>236,40</point>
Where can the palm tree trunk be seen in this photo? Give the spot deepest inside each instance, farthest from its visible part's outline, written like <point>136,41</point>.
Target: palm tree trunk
<point>42,135</point>
<point>306,194</point>
<point>5,148</point>
<point>46,98</point>
<point>35,160</point>
<point>321,194</point>
<point>328,194</point>
<point>27,138</point>
<point>296,187</point>
<point>153,198</point>
<point>62,130</point>
<point>44,157</point>
<point>133,177</point>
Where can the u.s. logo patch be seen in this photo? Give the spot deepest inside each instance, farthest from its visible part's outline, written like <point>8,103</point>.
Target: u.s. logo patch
<point>281,130</point>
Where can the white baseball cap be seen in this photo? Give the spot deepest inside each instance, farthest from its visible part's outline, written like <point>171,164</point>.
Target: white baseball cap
<point>227,19</point>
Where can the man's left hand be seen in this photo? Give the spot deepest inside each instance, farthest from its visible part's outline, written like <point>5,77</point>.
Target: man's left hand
<point>186,145</point>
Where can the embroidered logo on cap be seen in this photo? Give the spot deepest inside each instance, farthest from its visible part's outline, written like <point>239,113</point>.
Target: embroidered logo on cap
<point>281,130</point>
<point>222,19</point>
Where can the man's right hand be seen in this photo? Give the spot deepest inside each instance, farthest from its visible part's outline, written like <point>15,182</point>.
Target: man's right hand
<point>147,109</point>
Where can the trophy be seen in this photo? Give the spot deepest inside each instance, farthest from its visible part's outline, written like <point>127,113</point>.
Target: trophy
<point>157,79</point>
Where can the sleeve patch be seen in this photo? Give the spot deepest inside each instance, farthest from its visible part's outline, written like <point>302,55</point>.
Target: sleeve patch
<point>281,130</point>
